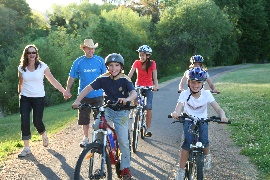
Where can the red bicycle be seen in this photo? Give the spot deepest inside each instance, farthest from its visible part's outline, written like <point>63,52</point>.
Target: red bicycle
<point>97,157</point>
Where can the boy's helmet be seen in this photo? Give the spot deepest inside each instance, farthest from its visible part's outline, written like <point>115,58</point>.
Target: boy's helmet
<point>197,74</point>
<point>196,58</point>
<point>146,49</point>
<point>114,57</point>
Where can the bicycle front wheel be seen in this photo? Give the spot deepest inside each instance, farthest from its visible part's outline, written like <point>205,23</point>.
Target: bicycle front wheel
<point>136,132</point>
<point>190,167</point>
<point>90,165</point>
<point>143,125</point>
<point>199,162</point>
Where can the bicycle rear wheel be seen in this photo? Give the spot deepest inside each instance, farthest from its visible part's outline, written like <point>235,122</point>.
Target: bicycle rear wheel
<point>136,132</point>
<point>89,163</point>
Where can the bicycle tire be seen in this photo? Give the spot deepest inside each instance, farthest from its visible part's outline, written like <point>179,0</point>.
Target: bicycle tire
<point>129,141</point>
<point>118,162</point>
<point>136,132</point>
<point>200,163</point>
<point>143,126</point>
<point>88,165</point>
<point>190,168</point>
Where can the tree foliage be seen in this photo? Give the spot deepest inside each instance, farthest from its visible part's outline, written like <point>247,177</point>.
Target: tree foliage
<point>252,24</point>
<point>192,27</point>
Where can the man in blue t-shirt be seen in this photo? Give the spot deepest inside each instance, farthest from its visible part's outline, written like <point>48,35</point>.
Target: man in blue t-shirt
<point>87,68</point>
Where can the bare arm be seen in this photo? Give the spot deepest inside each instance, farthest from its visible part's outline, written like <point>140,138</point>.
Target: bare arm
<point>84,92</point>
<point>131,97</point>
<point>177,110</point>
<point>219,111</point>
<point>70,81</point>
<point>181,84</point>
<point>155,80</point>
<point>20,85</point>
<point>131,72</point>
<point>53,81</point>
<point>211,85</point>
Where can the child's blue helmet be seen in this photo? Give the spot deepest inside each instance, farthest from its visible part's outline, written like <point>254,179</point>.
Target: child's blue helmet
<point>196,58</point>
<point>197,74</point>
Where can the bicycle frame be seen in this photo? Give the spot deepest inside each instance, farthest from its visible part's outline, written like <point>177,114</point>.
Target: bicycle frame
<point>194,165</point>
<point>141,100</point>
<point>139,117</point>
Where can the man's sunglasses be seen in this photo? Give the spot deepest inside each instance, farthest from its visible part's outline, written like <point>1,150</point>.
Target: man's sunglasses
<point>32,52</point>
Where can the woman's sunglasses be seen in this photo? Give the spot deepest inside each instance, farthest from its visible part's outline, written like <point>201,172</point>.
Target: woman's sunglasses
<point>32,52</point>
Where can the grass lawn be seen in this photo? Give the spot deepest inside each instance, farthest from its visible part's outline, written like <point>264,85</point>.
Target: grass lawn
<point>246,99</point>
<point>55,117</point>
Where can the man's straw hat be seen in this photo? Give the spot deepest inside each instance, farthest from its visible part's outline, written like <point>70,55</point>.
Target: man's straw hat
<point>88,43</point>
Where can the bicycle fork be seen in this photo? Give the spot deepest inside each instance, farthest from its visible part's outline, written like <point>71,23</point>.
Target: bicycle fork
<point>103,159</point>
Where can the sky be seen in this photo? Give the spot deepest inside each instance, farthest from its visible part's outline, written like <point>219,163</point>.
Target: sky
<point>43,5</point>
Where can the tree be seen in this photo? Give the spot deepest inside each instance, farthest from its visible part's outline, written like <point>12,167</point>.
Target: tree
<point>14,23</point>
<point>229,50</point>
<point>252,24</point>
<point>191,27</point>
<point>122,31</point>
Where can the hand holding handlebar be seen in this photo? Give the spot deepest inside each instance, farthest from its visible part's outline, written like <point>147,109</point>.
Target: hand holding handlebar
<point>185,117</point>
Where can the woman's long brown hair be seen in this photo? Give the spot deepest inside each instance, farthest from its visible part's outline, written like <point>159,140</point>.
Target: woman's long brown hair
<point>24,58</point>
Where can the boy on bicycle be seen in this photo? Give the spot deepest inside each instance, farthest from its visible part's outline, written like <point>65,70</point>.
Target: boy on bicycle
<point>195,101</point>
<point>118,87</point>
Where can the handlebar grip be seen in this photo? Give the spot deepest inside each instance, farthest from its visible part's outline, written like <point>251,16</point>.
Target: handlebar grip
<point>179,91</point>
<point>169,116</point>
<point>128,103</point>
<point>222,122</point>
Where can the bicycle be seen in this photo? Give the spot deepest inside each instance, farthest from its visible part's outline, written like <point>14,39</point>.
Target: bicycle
<point>195,163</point>
<point>139,116</point>
<point>96,159</point>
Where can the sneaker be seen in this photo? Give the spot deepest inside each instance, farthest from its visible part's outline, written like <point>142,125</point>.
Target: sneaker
<point>84,142</point>
<point>24,152</point>
<point>45,141</point>
<point>180,174</point>
<point>148,133</point>
<point>207,163</point>
<point>125,174</point>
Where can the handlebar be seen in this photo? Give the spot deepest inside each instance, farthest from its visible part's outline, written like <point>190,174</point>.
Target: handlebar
<point>146,87</point>
<point>215,92</point>
<point>179,91</point>
<point>115,105</point>
<point>184,117</point>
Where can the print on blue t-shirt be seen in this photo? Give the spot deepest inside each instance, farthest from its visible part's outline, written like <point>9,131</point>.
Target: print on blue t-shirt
<point>87,70</point>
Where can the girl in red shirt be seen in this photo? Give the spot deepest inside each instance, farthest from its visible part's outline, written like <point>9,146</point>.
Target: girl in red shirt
<point>146,76</point>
